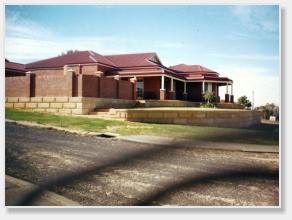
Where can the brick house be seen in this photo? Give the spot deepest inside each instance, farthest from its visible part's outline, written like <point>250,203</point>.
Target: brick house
<point>91,75</point>
<point>14,69</point>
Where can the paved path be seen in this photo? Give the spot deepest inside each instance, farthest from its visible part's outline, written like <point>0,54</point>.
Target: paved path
<point>98,171</point>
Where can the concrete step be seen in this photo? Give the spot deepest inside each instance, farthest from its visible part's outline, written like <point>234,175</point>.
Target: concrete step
<point>100,113</point>
<point>102,109</point>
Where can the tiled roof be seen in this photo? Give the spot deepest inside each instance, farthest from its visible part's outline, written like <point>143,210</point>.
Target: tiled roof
<point>79,57</point>
<point>14,66</point>
<point>191,69</point>
<point>206,77</point>
<point>132,60</point>
<point>139,71</point>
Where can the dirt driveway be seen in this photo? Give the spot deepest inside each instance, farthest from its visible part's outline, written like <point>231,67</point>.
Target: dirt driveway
<point>112,172</point>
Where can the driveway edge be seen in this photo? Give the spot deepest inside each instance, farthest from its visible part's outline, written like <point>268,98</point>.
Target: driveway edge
<point>147,139</point>
<point>16,188</point>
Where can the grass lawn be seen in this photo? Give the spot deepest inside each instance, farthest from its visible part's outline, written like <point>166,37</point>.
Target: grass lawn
<point>263,134</point>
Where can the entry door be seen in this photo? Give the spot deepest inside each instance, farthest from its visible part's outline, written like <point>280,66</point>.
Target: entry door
<point>140,88</point>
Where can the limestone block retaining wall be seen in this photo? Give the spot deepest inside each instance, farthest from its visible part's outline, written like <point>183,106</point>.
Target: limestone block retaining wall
<point>167,103</point>
<point>233,118</point>
<point>180,103</point>
<point>66,105</point>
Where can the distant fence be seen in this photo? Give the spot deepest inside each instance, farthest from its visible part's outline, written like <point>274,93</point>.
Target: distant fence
<point>69,84</point>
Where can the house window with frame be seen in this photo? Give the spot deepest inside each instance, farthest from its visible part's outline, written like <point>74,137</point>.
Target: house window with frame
<point>140,88</point>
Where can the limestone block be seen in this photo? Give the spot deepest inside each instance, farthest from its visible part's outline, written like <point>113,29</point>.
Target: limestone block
<point>186,114</point>
<point>49,99</point>
<point>19,105</point>
<point>123,115</point>
<point>180,121</point>
<point>62,99</point>
<point>53,110</point>
<point>65,111</point>
<point>80,111</point>
<point>12,99</point>
<point>39,110</point>
<point>24,99</point>
<point>199,114</point>
<point>43,105</point>
<point>75,99</point>
<point>9,105</point>
<point>56,105</point>
<point>36,99</point>
<point>155,115</point>
<point>30,105</point>
<point>69,105</point>
<point>170,115</point>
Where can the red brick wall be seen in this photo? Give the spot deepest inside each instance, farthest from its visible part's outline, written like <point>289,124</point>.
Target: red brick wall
<point>90,86</point>
<point>125,89</point>
<point>75,68</point>
<point>18,86</point>
<point>75,85</point>
<point>54,85</point>
<point>48,72</point>
<point>88,69</point>
<point>152,87</point>
<point>108,88</point>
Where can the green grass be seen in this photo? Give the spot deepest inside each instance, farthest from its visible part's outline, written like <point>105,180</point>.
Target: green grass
<point>263,134</point>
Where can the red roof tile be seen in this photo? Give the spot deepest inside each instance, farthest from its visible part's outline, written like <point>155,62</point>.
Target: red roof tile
<point>191,69</point>
<point>139,71</point>
<point>79,57</point>
<point>14,66</point>
<point>132,60</point>
<point>206,77</point>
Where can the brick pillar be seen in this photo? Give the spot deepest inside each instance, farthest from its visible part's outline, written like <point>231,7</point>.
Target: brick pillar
<point>134,88</point>
<point>99,75</point>
<point>217,98</point>
<point>117,78</point>
<point>226,97</point>
<point>29,78</point>
<point>162,94</point>
<point>80,85</point>
<point>69,81</point>
<point>171,95</point>
<point>232,98</point>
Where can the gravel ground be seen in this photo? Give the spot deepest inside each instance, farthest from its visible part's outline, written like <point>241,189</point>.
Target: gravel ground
<point>109,172</point>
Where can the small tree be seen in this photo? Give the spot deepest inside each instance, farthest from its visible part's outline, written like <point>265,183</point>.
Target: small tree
<point>209,96</point>
<point>68,52</point>
<point>244,101</point>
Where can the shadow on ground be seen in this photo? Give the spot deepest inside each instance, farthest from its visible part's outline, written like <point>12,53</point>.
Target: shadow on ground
<point>236,174</point>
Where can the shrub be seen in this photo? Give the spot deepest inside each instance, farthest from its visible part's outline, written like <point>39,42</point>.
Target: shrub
<point>209,96</point>
<point>208,105</point>
<point>244,101</point>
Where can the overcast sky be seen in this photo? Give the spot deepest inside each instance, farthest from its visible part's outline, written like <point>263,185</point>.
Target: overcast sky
<point>240,42</point>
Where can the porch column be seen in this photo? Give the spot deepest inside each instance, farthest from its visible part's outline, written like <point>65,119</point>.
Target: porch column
<point>203,91</point>
<point>226,95</point>
<point>162,89</point>
<point>135,91</point>
<point>171,92</point>
<point>185,95</point>
<point>232,96</point>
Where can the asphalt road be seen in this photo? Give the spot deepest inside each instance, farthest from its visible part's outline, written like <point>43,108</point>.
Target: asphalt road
<point>102,172</point>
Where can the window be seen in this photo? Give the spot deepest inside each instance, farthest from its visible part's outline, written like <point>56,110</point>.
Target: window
<point>140,88</point>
